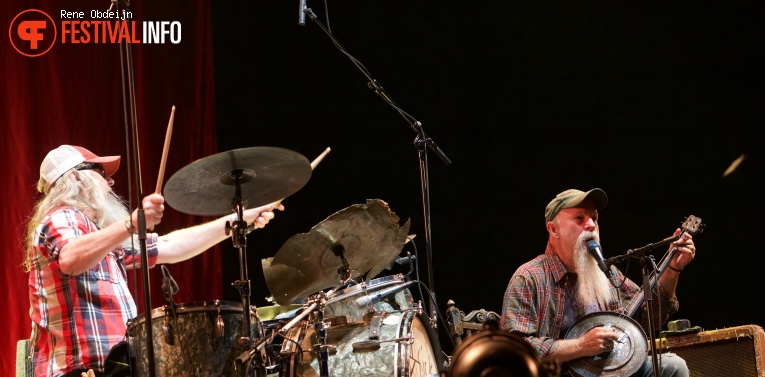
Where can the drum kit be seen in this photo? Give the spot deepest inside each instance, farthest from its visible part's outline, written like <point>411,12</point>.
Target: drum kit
<point>333,315</point>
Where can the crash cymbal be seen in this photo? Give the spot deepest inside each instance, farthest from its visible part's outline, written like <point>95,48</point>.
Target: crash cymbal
<point>307,263</point>
<point>207,186</point>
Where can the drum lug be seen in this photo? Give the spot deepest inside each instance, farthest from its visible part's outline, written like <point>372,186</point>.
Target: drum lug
<point>167,330</point>
<point>375,325</point>
<point>418,310</point>
<point>329,349</point>
<point>220,326</point>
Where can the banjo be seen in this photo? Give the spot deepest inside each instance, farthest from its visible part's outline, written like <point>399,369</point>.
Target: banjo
<point>631,349</point>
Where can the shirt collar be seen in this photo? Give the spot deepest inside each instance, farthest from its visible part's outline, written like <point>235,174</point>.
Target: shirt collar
<point>556,265</point>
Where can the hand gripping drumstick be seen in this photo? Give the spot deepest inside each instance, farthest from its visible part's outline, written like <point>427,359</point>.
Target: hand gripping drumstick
<point>314,163</point>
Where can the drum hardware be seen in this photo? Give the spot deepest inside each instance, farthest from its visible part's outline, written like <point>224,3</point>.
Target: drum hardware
<point>375,325</point>
<point>322,348</point>
<point>374,345</point>
<point>167,331</point>
<point>369,300</point>
<point>169,288</point>
<point>316,308</point>
<point>220,327</point>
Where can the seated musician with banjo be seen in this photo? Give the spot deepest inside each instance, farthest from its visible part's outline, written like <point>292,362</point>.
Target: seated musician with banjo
<point>549,296</point>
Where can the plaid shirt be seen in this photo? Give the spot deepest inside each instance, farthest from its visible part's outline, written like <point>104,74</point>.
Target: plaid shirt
<point>76,320</point>
<point>535,296</point>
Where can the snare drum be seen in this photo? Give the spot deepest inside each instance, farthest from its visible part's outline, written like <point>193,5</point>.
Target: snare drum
<point>201,339</point>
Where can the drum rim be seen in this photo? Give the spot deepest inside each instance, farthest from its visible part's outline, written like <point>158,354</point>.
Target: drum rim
<point>193,306</point>
<point>372,284</point>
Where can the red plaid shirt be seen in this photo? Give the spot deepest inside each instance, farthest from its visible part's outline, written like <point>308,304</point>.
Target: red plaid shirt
<point>535,296</point>
<point>76,320</point>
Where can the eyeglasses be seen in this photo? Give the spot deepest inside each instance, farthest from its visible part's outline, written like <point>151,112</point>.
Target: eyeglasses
<point>91,166</point>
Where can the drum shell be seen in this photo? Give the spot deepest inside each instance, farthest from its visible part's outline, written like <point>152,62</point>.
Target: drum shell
<point>192,346</point>
<point>409,357</point>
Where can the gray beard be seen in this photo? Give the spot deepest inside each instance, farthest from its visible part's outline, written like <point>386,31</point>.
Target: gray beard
<point>114,209</point>
<point>592,286</point>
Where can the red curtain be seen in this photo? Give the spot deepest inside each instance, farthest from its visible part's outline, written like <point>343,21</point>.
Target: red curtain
<point>73,95</point>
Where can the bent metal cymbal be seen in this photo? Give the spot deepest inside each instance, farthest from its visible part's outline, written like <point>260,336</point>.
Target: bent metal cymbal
<point>207,187</point>
<point>307,263</point>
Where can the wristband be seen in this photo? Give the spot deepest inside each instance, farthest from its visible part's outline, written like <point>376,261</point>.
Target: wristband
<point>674,269</point>
<point>129,225</point>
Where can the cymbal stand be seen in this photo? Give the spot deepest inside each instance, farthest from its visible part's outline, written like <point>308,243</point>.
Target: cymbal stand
<point>319,301</point>
<point>422,142</point>
<point>238,231</point>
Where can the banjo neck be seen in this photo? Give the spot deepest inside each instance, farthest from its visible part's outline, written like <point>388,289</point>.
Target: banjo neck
<point>692,225</point>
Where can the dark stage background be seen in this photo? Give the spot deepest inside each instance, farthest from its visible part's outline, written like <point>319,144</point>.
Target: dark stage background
<point>651,102</point>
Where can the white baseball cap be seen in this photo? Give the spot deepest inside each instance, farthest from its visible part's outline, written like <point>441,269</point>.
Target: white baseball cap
<point>66,157</point>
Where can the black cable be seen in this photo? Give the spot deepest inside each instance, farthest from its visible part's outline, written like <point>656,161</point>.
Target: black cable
<point>372,84</point>
<point>438,313</point>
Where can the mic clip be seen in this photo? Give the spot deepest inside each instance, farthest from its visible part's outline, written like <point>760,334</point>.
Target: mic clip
<point>641,251</point>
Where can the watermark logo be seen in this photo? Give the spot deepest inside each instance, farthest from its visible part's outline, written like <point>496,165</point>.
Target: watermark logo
<point>32,33</point>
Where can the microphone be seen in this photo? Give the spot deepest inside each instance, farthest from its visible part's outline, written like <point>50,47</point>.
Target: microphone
<point>364,301</point>
<point>594,248</point>
<point>301,17</point>
<point>402,261</point>
<point>168,283</point>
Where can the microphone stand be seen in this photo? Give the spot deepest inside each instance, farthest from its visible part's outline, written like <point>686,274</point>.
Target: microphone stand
<point>422,143</point>
<point>649,307</point>
<point>641,253</point>
<point>131,122</point>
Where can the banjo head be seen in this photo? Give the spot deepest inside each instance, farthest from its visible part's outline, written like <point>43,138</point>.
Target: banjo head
<point>629,352</point>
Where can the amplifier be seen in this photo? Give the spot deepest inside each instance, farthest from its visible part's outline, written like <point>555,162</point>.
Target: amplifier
<point>729,352</point>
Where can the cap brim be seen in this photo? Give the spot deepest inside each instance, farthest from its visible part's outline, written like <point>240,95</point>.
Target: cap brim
<point>597,195</point>
<point>110,163</point>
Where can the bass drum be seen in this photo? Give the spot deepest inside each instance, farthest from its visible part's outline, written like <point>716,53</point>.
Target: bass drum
<point>407,347</point>
<point>201,339</point>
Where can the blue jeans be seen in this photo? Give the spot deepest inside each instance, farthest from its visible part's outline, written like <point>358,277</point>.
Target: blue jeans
<point>671,366</point>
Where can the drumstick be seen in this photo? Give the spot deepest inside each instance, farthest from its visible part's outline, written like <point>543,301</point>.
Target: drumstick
<point>164,152</point>
<point>314,163</point>
<point>162,163</point>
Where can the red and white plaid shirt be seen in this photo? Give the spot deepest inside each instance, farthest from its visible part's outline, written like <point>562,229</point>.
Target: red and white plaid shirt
<point>76,320</point>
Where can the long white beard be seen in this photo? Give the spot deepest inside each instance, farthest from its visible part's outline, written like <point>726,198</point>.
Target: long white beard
<point>114,209</point>
<point>592,285</point>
